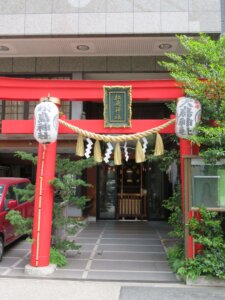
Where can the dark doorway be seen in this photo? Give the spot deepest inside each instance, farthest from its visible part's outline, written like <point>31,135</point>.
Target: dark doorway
<point>131,191</point>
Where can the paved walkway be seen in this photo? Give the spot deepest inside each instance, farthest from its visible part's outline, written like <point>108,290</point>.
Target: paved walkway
<point>127,251</point>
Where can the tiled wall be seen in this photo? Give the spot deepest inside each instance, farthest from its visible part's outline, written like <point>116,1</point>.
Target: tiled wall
<point>45,17</point>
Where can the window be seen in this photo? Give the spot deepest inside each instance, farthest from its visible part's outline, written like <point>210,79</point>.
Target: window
<point>21,186</point>
<point>12,110</point>
<point>31,107</point>
<point>66,108</point>
<point>10,195</point>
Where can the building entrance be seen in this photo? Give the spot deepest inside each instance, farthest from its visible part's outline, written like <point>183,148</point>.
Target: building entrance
<point>131,191</point>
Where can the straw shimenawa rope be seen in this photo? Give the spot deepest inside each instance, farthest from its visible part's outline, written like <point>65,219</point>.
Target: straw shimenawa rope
<point>119,138</point>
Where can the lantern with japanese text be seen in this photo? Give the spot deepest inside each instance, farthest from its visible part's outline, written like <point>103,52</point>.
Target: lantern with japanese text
<point>46,116</point>
<point>188,114</point>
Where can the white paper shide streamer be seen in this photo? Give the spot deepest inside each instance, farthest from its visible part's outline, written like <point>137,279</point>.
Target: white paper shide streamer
<point>108,152</point>
<point>46,115</point>
<point>126,152</point>
<point>88,148</point>
<point>145,144</point>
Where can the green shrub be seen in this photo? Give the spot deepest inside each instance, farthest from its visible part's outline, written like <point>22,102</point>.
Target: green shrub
<point>173,204</point>
<point>57,258</point>
<point>210,261</point>
<point>176,257</point>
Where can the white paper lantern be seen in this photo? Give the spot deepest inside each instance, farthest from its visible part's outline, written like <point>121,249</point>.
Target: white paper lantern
<point>188,114</point>
<point>46,116</point>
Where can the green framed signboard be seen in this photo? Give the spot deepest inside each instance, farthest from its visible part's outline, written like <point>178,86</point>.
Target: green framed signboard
<point>117,106</point>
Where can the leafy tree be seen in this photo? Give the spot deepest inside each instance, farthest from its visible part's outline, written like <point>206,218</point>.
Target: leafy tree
<point>200,71</point>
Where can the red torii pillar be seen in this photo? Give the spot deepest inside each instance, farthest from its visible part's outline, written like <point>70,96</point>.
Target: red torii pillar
<point>43,205</point>
<point>187,149</point>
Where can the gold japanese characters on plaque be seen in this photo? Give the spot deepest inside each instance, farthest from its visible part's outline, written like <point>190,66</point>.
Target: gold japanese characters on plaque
<point>117,106</point>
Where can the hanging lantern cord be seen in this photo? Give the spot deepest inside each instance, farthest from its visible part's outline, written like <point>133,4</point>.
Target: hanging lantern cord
<point>116,139</point>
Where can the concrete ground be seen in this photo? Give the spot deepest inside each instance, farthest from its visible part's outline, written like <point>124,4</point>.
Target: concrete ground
<point>127,251</point>
<point>39,289</point>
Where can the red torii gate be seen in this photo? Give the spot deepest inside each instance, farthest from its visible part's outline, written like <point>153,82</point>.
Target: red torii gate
<point>76,90</point>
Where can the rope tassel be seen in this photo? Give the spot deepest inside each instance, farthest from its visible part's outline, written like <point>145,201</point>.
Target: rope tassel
<point>139,153</point>
<point>117,155</point>
<point>97,152</point>
<point>159,147</point>
<point>80,146</point>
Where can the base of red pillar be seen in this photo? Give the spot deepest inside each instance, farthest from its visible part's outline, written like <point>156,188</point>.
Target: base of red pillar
<point>39,271</point>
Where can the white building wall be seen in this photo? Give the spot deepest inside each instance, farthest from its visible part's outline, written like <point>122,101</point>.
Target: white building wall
<point>81,17</point>
<point>223,15</point>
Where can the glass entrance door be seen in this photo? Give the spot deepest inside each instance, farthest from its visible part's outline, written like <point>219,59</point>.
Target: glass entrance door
<point>158,189</point>
<point>107,191</point>
<point>132,191</point>
<point>120,193</point>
